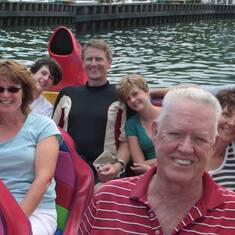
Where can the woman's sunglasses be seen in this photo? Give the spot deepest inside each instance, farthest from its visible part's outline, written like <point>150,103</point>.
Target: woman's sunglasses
<point>11,89</point>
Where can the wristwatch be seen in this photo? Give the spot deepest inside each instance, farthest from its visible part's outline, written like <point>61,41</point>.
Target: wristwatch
<point>122,163</point>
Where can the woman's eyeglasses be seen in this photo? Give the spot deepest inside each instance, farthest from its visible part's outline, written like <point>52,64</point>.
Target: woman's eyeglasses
<point>11,89</point>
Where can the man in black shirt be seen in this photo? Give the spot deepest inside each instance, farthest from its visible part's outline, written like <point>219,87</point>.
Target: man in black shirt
<point>84,112</point>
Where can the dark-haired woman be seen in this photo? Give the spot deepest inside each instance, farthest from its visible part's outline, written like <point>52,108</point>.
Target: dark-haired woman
<point>222,164</point>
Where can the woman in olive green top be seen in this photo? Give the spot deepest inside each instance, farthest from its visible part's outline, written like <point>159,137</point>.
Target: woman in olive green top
<point>133,90</point>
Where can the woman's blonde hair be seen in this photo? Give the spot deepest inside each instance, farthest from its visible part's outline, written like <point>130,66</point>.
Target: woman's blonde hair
<point>19,74</point>
<point>127,83</point>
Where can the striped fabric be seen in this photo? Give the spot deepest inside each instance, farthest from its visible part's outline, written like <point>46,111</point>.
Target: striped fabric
<point>225,174</point>
<point>74,185</point>
<point>121,207</point>
<point>115,133</point>
<point>65,187</point>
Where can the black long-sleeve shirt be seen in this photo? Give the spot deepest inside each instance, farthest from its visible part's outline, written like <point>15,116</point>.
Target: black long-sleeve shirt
<point>82,111</point>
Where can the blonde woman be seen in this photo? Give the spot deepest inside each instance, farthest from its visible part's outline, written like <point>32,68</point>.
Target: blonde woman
<point>29,147</point>
<point>133,90</point>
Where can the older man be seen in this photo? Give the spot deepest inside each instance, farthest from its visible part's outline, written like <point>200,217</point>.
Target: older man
<point>177,197</point>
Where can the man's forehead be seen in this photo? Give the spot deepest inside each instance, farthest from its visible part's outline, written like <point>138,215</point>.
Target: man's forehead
<point>197,120</point>
<point>178,129</point>
<point>189,108</point>
<point>93,49</point>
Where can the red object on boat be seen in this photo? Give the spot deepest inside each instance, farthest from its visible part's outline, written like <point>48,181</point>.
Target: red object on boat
<point>66,50</point>
<point>74,186</point>
<point>13,221</point>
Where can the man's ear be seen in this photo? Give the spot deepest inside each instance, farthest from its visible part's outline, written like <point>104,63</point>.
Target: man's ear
<point>154,130</point>
<point>110,63</point>
<point>216,143</point>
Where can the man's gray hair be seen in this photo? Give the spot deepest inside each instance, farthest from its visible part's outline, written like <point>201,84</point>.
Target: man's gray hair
<point>195,94</point>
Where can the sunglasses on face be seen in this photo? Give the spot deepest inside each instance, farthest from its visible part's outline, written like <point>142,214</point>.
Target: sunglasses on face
<point>11,89</point>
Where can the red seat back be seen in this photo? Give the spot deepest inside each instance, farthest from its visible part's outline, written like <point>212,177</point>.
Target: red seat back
<point>12,219</point>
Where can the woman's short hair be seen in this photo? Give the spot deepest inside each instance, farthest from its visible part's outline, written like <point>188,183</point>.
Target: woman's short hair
<point>98,44</point>
<point>127,83</point>
<point>227,98</point>
<point>19,74</point>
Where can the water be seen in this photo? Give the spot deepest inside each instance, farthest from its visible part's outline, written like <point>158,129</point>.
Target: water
<point>199,52</point>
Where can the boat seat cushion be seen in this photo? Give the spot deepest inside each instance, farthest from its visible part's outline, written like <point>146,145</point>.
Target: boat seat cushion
<point>65,186</point>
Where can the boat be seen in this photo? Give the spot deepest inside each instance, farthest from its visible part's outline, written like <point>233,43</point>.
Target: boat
<point>66,50</point>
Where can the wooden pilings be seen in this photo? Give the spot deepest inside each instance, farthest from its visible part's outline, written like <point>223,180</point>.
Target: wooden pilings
<point>134,15</point>
<point>107,16</point>
<point>34,14</point>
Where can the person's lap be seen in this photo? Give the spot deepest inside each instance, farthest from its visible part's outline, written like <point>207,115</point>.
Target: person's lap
<point>43,221</point>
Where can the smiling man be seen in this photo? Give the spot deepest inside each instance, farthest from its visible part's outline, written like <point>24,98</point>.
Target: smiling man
<point>46,72</point>
<point>84,111</point>
<point>178,196</point>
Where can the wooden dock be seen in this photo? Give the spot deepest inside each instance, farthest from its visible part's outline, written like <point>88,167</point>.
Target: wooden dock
<point>106,16</point>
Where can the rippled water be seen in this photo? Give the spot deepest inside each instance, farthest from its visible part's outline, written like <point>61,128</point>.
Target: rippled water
<point>201,52</point>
